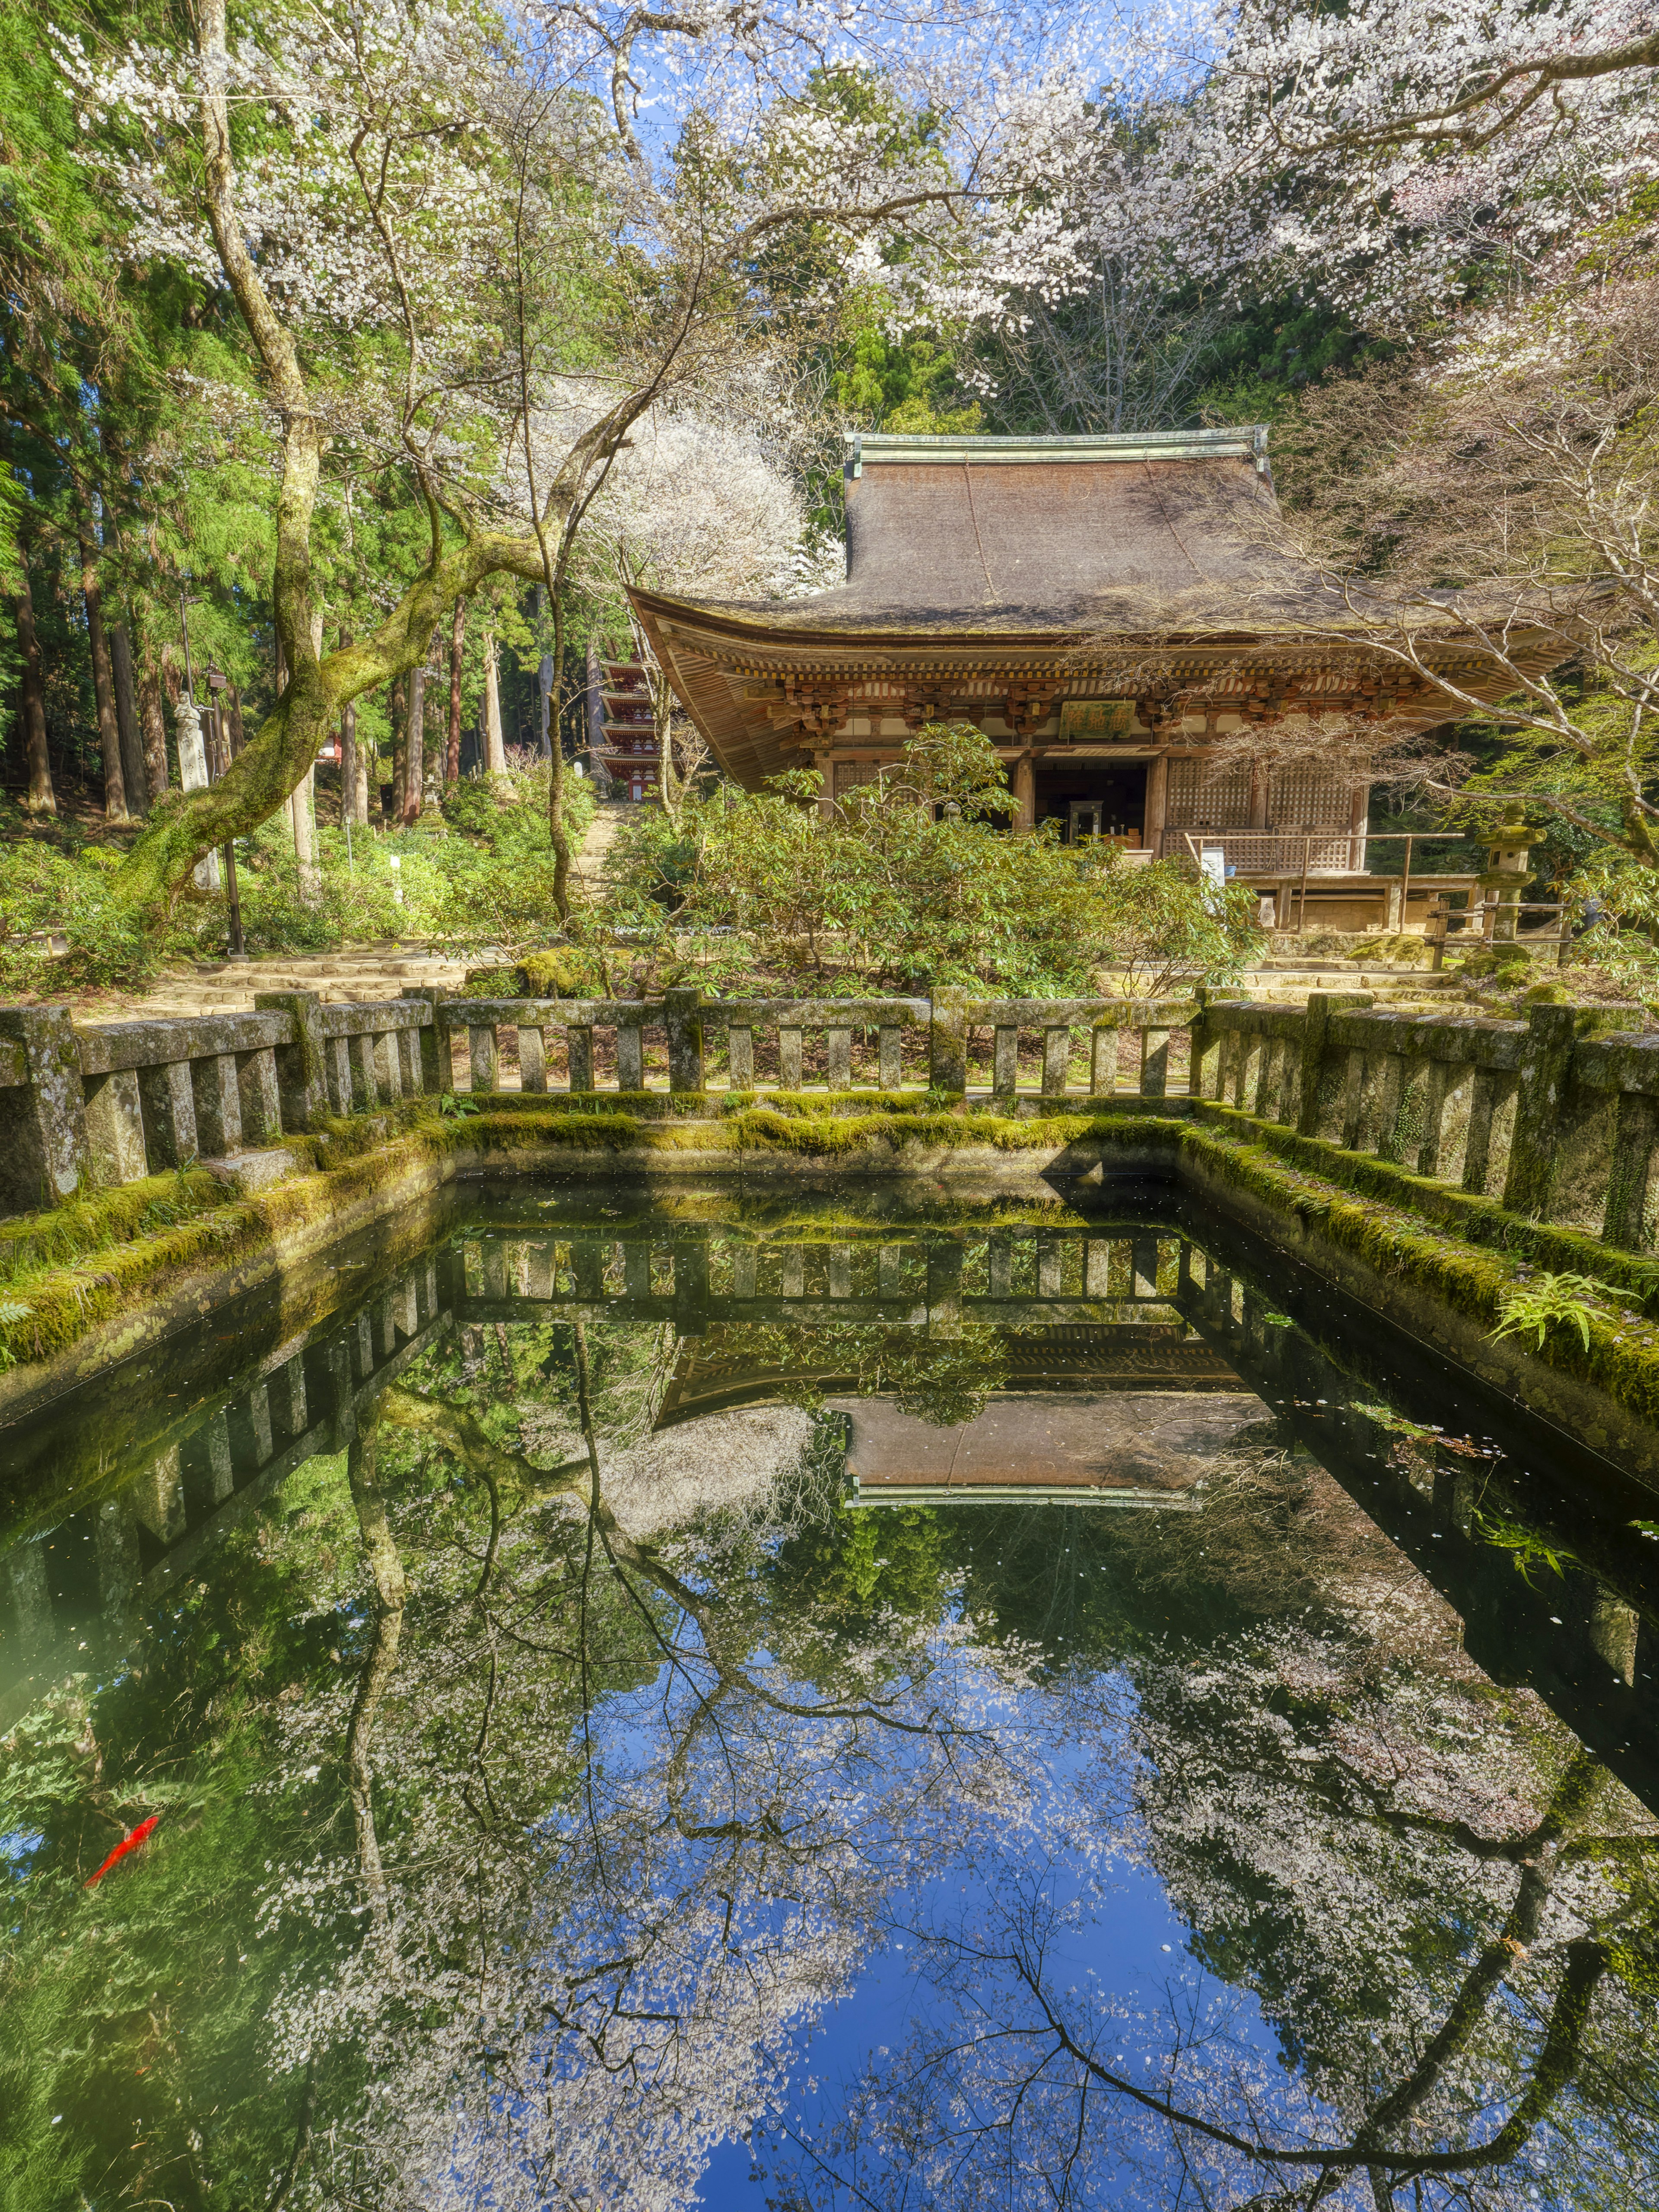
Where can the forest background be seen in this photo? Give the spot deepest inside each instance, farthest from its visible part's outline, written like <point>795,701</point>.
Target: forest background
<point>1434,280</point>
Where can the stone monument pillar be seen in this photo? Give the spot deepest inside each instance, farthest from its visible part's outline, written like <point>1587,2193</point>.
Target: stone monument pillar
<point>193,776</point>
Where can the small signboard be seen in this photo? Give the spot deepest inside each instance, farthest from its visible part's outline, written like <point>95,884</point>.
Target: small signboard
<point>1095,722</point>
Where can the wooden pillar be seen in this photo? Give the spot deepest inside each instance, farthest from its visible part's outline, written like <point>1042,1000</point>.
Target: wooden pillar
<point>1258,782</point>
<point>1025,788</point>
<point>1358,807</point>
<point>826,769</point>
<point>1158,801</point>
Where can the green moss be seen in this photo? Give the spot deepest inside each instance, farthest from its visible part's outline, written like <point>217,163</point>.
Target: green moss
<point>103,1218</point>
<point>814,1105</point>
<point>115,1251</point>
<point>1482,1221</point>
<point>560,972</point>
<point>1622,1356</point>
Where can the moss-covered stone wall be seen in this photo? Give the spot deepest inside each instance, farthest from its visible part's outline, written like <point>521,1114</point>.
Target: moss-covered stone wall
<point>89,1284</point>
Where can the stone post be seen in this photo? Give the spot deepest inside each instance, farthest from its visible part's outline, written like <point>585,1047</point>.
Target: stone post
<point>1316,1079</point>
<point>682,1018</point>
<point>1541,1109</point>
<point>691,1287</point>
<point>944,1257</point>
<point>43,1150</point>
<point>302,1067</point>
<point>947,1042</point>
<point>1204,1047</point>
<point>437,1053</point>
<point>193,775</point>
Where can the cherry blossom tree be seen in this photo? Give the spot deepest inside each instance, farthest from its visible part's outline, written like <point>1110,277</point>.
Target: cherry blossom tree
<point>1420,1916</point>
<point>1397,158</point>
<point>603,1863</point>
<point>547,225</point>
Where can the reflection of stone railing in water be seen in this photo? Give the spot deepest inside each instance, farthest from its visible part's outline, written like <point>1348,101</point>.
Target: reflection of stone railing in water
<point>308,1398</point>
<point>1562,1126</point>
<point>1123,1306</point>
<point>305,1400</point>
<point>1008,1277</point>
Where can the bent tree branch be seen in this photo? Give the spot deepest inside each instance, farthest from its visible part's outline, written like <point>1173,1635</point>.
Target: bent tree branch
<point>1549,1846</point>
<point>392,1591</point>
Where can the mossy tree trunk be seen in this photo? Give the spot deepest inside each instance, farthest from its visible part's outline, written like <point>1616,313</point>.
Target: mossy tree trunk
<point>462,553</point>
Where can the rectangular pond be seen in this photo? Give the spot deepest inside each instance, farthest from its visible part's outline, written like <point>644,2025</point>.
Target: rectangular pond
<point>593,1697</point>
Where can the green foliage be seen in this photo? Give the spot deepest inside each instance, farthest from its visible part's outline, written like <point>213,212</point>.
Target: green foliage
<point>863,1562</point>
<point>47,889</point>
<point>1567,1299</point>
<point>1528,1550</point>
<point>911,882</point>
<point>940,1378</point>
<point>562,971</point>
<point>488,879</point>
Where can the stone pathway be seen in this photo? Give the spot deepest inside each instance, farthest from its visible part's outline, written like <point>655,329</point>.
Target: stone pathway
<point>361,976</point>
<point>590,862</point>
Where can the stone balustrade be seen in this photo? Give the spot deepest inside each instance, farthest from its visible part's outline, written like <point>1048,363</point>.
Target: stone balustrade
<point>1560,1125</point>
<point>98,1107</point>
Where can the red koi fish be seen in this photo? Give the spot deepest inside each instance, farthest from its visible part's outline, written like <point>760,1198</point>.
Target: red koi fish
<point>127,1843</point>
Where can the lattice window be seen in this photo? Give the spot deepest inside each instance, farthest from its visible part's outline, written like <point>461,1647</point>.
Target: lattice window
<point>850,774</point>
<point>1203,796</point>
<point>1305,796</point>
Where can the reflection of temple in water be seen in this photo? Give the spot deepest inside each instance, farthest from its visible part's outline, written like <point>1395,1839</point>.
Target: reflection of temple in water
<point>1091,1360</point>
<point>714,1372</point>
<point>1130,1447</point>
<point>1126,1413</point>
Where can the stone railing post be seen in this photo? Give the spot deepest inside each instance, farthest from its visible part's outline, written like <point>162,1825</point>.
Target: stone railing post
<point>302,1067</point>
<point>947,1042</point>
<point>437,1053</point>
<point>682,1014</point>
<point>44,1151</point>
<point>1316,1079</point>
<point>1541,1107</point>
<point>1203,1045</point>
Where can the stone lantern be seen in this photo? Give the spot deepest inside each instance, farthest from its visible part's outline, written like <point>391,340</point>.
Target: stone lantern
<point>1509,851</point>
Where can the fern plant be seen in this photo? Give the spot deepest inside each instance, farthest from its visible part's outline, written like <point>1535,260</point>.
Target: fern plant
<point>11,1311</point>
<point>1571,1299</point>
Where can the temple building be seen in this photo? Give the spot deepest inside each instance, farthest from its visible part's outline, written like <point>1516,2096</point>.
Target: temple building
<point>1105,610</point>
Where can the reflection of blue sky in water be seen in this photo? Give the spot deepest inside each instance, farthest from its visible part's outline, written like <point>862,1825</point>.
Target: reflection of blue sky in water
<point>1270,1754</point>
<point>1125,1941</point>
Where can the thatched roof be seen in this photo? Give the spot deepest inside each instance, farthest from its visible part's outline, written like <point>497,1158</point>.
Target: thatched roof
<point>1015,534</point>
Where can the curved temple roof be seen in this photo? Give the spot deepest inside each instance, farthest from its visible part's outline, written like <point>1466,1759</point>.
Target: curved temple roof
<point>1023,534</point>
<point>1041,532</point>
<point>1070,563</point>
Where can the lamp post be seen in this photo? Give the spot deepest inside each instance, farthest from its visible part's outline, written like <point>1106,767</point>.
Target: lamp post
<point>1508,847</point>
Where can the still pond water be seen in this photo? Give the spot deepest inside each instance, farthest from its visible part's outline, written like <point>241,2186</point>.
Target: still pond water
<point>611,1702</point>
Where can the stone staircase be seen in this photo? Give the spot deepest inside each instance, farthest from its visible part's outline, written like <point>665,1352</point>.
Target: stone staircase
<point>363,976</point>
<point>1292,979</point>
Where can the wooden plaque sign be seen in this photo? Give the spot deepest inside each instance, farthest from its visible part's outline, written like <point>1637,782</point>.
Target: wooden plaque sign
<point>1095,722</point>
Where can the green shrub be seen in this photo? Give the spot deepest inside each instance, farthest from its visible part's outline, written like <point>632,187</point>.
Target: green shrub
<point>46,888</point>
<point>912,882</point>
